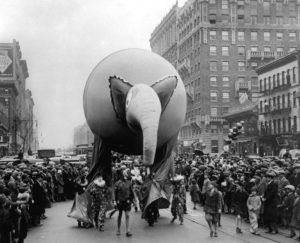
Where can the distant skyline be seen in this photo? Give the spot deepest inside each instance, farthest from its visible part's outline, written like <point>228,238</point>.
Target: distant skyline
<point>62,41</point>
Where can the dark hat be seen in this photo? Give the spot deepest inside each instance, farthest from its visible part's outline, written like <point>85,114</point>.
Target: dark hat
<point>3,200</point>
<point>271,173</point>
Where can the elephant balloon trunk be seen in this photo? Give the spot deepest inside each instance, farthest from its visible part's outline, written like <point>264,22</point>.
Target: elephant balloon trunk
<point>144,112</point>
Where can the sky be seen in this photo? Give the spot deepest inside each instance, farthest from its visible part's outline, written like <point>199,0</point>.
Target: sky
<point>62,41</point>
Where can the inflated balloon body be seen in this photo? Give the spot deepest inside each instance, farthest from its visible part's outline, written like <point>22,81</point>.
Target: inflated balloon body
<point>135,103</point>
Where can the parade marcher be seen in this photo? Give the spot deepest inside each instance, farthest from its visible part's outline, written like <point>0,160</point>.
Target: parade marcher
<point>99,193</point>
<point>211,208</point>
<point>270,206</point>
<point>177,204</point>
<point>124,198</point>
<point>254,204</point>
<point>80,187</point>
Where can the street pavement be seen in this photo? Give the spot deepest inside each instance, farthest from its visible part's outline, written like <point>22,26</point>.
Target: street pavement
<point>61,229</point>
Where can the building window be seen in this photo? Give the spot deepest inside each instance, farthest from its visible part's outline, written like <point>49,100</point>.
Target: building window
<point>267,20</point>
<point>283,125</point>
<point>254,48</point>
<point>291,49</point>
<point>241,66</point>
<point>214,146</point>
<point>241,36</point>
<point>224,4</point>
<point>292,20</point>
<point>254,65</point>
<point>212,35</point>
<point>289,124</point>
<point>241,50</point>
<point>253,19</point>
<point>294,75</point>
<point>278,125</point>
<point>274,81</point>
<point>266,36</point>
<point>267,49</point>
<point>225,66</point>
<point>253,35</point>
<point>225,97</point>
<point>279,51</point>
<point>274,125</point>
<point>213,50</point>
<point>213,81</point>
<point>225,35</point>
<point>225,51</point>
<point>225,110</point>
<point>279,36</point>
<point>213,66</point>
<point>213,96</point>
<point>295,124</point>
<point>214,111</point>
<point>292,36</point>
<point>225,81</point>
<point>294,99</point>
<point>279,20</point>
<point>212,18</point>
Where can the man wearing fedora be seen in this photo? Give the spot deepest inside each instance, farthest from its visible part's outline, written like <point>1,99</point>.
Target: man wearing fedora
<point>271,201</point>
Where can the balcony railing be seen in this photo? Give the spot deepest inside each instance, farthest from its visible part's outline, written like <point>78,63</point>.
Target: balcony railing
<point>275,110</point>
<point>276,89</point>
<point>264,54</point>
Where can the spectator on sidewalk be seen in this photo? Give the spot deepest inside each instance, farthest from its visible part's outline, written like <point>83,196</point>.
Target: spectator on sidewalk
<point>254,204</point>
<point>194,192</point>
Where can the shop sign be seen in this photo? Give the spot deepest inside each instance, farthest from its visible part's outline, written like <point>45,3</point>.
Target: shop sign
<point>6,62</point>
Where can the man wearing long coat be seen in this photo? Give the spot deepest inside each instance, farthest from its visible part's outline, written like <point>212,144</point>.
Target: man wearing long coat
<point>271,201</point>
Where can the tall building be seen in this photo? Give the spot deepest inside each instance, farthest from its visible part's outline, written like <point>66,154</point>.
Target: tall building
<point>16,103</point>
<point>220,43</point>
<point>279,113</point>
<point>83,136</point>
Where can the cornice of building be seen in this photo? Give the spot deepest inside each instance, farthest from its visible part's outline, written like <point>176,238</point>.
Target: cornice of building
<point>160,27</point>
<point>278,62</point>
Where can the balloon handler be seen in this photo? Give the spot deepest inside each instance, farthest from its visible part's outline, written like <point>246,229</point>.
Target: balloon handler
<point>135,102</point>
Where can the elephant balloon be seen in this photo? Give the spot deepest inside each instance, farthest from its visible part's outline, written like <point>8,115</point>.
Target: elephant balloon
<point>135,104</point>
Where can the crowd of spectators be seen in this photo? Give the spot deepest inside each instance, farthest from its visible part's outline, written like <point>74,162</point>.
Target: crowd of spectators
<point>26,190</point>
<point>241,182</point>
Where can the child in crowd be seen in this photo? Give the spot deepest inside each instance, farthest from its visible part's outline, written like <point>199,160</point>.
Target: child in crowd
<point>254,204</point>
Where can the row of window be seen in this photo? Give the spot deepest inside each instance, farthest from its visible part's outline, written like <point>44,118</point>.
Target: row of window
<point>278,102</point>
<point>242,50</point>
<point>277,80</point>
<point>277,126</point>
<point>254,35</point>
<point>253,9</point>
<point>213,66</point>
<point>214,96</point>
<point>241,37</point>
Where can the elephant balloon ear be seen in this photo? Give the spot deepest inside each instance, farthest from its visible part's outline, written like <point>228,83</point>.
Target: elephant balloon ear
<point>165,89</point>
<point>118,92</point>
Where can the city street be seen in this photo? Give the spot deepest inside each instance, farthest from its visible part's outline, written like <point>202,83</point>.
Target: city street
<point>59,228</point>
